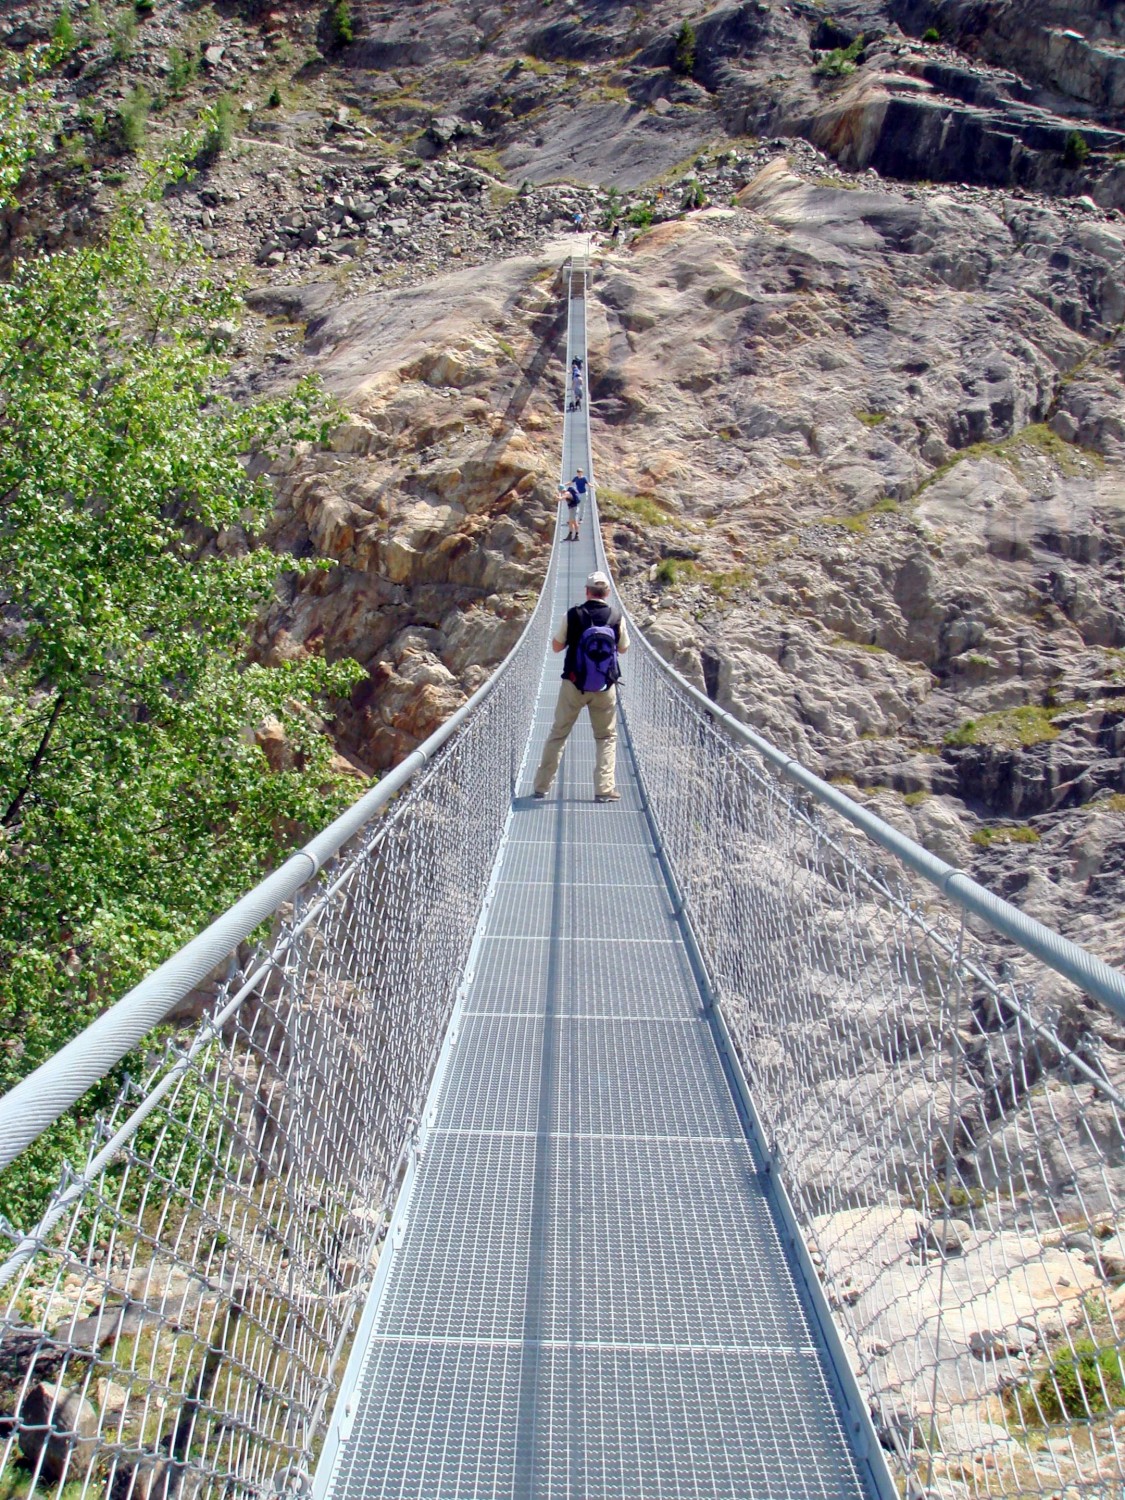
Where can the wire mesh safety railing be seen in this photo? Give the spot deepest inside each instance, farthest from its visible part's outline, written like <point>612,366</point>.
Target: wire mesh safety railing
<point>174,1325</point>
<point>944,1111</point>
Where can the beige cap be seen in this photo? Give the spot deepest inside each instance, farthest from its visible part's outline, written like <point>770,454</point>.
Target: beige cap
<point>597,581</point>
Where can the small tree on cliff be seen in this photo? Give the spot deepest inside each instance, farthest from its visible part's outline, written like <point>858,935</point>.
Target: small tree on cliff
<point>684,60</point>
<point>1077,149</point>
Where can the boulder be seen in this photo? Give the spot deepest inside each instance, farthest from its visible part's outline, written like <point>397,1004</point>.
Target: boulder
<point>55,1422</point>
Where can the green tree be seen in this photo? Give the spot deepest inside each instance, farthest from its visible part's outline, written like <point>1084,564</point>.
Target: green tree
<point>135,800</point>
<point>343,27</point>
<point>684,61</point>
<point>1077,149</point>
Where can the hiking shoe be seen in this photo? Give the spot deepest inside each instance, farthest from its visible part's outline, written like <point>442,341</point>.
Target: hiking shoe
<point>539,796</point>
<point>608,797</point>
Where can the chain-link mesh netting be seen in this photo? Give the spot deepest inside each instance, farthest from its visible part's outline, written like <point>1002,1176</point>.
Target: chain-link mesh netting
<point>175,1324</point>
<point>945,1112</point>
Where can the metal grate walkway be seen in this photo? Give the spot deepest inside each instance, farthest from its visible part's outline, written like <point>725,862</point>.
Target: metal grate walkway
<point>586,1292</point>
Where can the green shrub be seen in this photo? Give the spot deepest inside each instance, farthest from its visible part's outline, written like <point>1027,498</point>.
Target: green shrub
<point>341,23</point>
<point>218,130</point>
<point>94,22</point>
<point>183,65</point>
<point>666,571</point>
<point>95,121</point>
<point>144,7</point>
<point>132,119</point>
<point>694,196</point>
<point>931,34</point>
<point>124,35</point>
<point>64,38</point>
<point>640,215</point>
<point>1078,1383</point>
<point>684,60</point>
<point>840,62</point>
<point>1077,149</point>
<point>274,100</point>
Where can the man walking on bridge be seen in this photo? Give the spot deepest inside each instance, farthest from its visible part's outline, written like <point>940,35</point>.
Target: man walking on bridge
<point>592,634</point>
<point>573,499</point>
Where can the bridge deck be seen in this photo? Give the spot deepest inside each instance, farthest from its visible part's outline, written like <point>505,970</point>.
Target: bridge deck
<point>588,1294</point>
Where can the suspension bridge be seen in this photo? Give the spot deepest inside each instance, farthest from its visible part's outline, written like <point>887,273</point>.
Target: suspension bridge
<point>715,1142</point>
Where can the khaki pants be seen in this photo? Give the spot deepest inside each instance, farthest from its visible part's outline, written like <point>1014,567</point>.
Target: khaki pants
<point>603,721</point>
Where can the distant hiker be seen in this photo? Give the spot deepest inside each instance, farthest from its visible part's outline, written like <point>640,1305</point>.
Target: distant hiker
<point>615,234</point>
<point>576,390</point>
<point>576,368</point>
<point>592,635</point>
<point>570,494</point>
<point>579,221</point>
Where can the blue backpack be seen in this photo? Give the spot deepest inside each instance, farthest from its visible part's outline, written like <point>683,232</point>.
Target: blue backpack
<point>595,659</point>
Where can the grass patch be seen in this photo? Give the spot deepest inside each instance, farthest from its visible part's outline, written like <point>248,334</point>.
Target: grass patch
<point>1039,438</point>
<point>1021,833</point>
<point>915,799</point>
<point>673,571</point>
<point>938,1198</point>
<point>619,506</point>
<point>1011,728</point>
<point>487,160</point>
<point>1115,802</point>
<point>872,418</point>
<point>536,65</point>
<point>869,646</point>
<point>859,522</point>
<point>607,93</point>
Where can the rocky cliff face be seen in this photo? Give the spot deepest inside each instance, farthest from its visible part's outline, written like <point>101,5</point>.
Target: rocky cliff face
<point>856,367</point>
<point>436,500</point>
<point>885,431</point>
